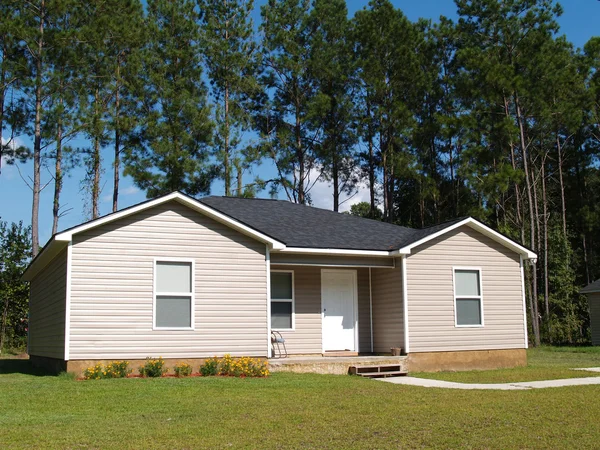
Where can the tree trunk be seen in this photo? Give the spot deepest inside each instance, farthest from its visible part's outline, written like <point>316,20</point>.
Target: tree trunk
<point>58,175</point>
<point>299,156</point>
<point>562,186</point>
<point>335,175</point>
<point>2,97</point>
<point>586,260</point>
<point>536,329</point>
<point>454,193</point>
<point>371,177</point>
<point>3,325</point>
<point>240,180</point>
<point>226,162</point>
<point>117,162</point>
<point>371,163</point>
<point>96,165</point>
<point>37,142</point>
<point>545,240</point>
<point>513,161</point>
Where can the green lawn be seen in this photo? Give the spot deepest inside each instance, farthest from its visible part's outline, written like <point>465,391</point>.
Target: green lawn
<point>288,411</point>
<point>545,363</point>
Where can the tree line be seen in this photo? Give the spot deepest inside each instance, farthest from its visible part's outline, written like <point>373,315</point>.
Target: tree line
<point>493,115</point>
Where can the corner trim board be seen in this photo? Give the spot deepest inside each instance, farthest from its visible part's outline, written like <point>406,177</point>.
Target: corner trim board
<point>68,301</point>
<point>268,265</point>
<point>405,303</point>
<point>525,333</point>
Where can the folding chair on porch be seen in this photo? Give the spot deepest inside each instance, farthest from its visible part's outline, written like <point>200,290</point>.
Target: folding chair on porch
<point>278,340</point>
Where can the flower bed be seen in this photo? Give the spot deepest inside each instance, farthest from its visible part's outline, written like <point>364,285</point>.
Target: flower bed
<point>226,366</point>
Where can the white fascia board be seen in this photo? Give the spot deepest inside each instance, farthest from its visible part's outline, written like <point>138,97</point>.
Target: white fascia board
<point>333,252</point>
<point>49,252</point>
<point>478,226</point>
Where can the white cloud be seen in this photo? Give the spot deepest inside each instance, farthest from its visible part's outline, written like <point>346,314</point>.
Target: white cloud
<point>129,190</point>
<point>321,193</point>
<point>9,171</point>
<point>123,192</point>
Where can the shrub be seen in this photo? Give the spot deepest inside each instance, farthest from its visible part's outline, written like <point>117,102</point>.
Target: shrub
<point>118,369</point>
<point>115,369</point>
<point>210,367</point>
<point>241,367</point>
<point>153,368</point>
<point>183,370</point>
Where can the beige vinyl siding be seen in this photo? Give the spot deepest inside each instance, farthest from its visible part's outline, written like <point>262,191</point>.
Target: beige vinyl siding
<point>594,300</point>
<point>306,338</point>
<point>47,309</point>
<point>333,261</point>
<point>431,294</point>
<point>112,288</point>
<point>388,309</point>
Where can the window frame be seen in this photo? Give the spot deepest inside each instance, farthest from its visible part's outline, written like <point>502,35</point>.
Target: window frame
<point>292,301</point>
<point>468,297</point>
<point>191,295</point>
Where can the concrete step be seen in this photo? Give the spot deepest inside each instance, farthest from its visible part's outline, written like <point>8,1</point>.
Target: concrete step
<point>382,370</point>
<point>394,373</point>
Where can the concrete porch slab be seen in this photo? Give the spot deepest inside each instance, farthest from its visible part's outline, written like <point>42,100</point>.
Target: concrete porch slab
<point>335,365</point>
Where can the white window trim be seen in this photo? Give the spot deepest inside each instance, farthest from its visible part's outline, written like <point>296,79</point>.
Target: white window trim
<point>292,301</point>
<point>191,295</point>
<point>478,297</point>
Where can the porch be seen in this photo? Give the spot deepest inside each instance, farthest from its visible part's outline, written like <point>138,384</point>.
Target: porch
<point>330,309</point>
<point>334,365</point>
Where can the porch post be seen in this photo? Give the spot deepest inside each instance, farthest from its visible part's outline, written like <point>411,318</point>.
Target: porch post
<point>371,308</point>
<point>268,265</point>
<point>405,304</point>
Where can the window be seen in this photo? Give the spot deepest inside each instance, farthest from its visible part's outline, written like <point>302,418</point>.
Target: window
<point>174,294</point>
<point>282,300</point>
<point>468,301</point>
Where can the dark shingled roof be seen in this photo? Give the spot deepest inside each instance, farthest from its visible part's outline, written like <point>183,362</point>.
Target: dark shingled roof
<point>309,227</point>
<point>593,287</point>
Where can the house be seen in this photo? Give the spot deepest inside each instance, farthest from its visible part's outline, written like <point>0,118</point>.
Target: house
<point>592,291</point>
<point>187,279</point>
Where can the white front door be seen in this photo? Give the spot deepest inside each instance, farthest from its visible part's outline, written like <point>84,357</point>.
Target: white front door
<point>338,302</point>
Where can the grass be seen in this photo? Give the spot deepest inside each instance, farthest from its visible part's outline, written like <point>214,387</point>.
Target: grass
<point>545,363</point>
<point>287,411</point>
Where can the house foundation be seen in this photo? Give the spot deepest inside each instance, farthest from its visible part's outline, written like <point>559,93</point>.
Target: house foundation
<point>467,360</point>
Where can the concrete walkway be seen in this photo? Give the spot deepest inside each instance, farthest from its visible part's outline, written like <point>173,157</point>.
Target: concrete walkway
<point>525,385</point>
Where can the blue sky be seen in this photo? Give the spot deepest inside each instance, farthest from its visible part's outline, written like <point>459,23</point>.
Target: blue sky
<point>579,22</point>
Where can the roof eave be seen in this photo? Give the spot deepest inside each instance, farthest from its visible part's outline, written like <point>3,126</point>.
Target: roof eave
<point>61,240</point>
<point>478,226</point>
<point>48,253</point>
<point>334,251</point>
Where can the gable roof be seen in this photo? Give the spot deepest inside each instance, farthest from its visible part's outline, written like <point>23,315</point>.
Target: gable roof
<point>592,287</point>
<point>304,226</point>
<point>290,228</point>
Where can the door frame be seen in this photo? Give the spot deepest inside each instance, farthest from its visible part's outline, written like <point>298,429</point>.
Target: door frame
<point>354,305</point>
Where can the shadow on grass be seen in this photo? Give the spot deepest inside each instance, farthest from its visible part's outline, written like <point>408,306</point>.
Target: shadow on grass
<point>22,366</point>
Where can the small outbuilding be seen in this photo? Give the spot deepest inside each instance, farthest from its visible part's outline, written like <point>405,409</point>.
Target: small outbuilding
<point>592,291</point>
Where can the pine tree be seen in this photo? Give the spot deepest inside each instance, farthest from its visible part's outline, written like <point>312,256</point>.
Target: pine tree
<point>231,58</point>
<point>286,52</point>
<point>499,45</point>
<point>173,151</point>
<point>34,21</point>
<point>127,36</point>
<point>331,109</point>
<point>388,69</point>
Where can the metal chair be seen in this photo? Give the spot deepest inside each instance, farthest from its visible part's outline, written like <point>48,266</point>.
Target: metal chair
<point>278,340</point>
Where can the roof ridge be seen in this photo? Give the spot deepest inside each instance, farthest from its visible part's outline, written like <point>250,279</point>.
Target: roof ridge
<point>312,207</point>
